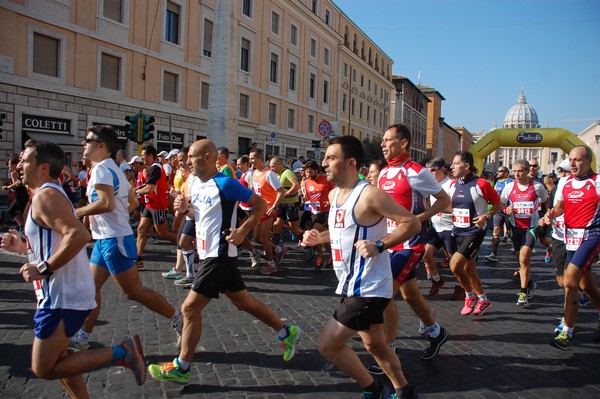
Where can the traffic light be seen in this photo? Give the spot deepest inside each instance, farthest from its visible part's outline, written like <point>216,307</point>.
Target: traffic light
<point>131,129</point>
<point>147,128</point>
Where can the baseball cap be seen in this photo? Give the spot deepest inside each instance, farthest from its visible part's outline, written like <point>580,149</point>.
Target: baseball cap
<point>297,170</point>
<point>565,165</point>
<point>136,158</point>
<point>162,154</point>
<point>172,153</point>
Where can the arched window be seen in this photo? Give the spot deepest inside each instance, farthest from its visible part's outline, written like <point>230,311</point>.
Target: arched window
<point>346,41</point>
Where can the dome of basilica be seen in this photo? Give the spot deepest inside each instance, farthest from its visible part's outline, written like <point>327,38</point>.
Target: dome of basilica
<point>521,115</point>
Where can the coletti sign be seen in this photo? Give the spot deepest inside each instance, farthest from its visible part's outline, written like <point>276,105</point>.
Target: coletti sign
<point>529,137</point>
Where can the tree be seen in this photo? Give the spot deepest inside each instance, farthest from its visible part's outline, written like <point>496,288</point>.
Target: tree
<point>372,149</point>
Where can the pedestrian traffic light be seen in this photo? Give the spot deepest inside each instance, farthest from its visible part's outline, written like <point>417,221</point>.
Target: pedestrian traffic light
<point>147,128</point>
<point>131,129</point>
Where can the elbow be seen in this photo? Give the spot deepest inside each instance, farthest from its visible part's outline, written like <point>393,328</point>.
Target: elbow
<point>415,226</point>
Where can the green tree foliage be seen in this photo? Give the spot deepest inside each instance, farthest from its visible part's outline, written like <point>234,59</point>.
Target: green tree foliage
<point>372,149</point>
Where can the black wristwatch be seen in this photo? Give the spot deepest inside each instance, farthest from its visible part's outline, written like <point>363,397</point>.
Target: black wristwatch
<point>43,268</point>
<point>379,245</point>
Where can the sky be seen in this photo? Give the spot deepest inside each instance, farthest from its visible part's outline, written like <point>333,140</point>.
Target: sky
<point>479,54</point>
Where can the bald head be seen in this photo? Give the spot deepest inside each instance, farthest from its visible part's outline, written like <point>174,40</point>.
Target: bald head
<point>202,158</point>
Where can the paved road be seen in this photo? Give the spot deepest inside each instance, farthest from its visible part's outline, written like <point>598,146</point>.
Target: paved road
<point>504,354</point>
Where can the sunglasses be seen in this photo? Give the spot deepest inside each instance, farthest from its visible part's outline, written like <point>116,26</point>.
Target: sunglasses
<point>534,166</point>
<point>87,140</point>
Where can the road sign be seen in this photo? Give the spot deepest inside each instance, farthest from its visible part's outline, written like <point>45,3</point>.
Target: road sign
<point>273,138</point>
<point>324,128</point>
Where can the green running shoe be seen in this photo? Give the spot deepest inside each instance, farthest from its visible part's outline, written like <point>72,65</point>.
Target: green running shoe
<point>169,372</point>
<point>289,343</point>
<point>562,341</point>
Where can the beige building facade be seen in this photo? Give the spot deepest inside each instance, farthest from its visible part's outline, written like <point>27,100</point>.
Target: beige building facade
<point>275,73</point>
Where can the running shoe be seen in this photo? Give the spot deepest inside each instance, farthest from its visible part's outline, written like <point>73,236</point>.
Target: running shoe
<point>548,257</point>
<point>383,394</point>
<point>77,344</point>
<point>435,344</point>
<point>482,307</point>
<point>491,257</point>
<point>289,343</point>
<point>185,282</point>
<point>408,392</point>
<point>522,299</point>
<point>153,240</point>
<point>169,372</point>
<point>436,286</point>
<point>422,327</point>
<point>255,258</point>
<point>134,360</point>
<point>516,274</point>
<point>584,300</point>
<point>562,341</point>
<point>505,239</point>
<point>558,329</point>
<point>269,269</point>
<point>531,286</point>
<point>173,274</point>
<point>280,255</point>
<point>319,263</point>
<point>458,294</point>
<point>309,253</point>
<point>469,306</point>
<point>139,264</point>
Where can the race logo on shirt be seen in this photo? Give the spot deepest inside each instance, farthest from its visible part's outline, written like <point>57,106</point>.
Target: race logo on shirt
<point>340,215</point>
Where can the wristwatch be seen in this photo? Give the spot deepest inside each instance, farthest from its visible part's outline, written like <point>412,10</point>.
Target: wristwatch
<point>43,268</point>
<point>379,245</point>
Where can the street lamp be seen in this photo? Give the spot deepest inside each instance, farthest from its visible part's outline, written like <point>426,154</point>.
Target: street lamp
<point>441,137</point>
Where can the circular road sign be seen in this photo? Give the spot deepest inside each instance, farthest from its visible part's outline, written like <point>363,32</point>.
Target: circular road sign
<point>324,128</point>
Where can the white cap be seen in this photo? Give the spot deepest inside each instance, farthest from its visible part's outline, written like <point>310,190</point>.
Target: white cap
<point>297,170</point>
<point>136,158</point>
<point>162,154</point>
<point>565,165</point>
<point>172,153</point>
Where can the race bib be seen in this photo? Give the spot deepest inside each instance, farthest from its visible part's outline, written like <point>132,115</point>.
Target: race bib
<point>336,253</point>
<point>573,238</point>
<point>461,218</point>
<point>39,290</point>
<point>523,209</point>
<point>257,188</point>
<point>315,207</point>
<point>391,226</point>
<point>201,243</point>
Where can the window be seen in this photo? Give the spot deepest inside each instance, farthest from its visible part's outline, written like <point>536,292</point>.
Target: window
<point>275,22</point>
<point>325,92</point>
<point>369,84</point>
<point>45,55</point>
<point>360,110</point>
<point>344,102</point>
<point>272,113</point>
<point>368,113</point>
<point>247,8</point>
<point>352,107</point>
<point>172,23</point>
<point>110,69</point>
<point>204,95</point>
<point>291,122</point>
<point>314,6</point>
<point>311,123</point>
<point>170,87</point>
<point>326,56</point>
<point>294,35</point>
<point>345,70</point>
<point>274,68</point>
<point>374,116</point>
<point>362,80</point>
<point>313,47</point>
<point>311,86</point>
<point>245,55</point>
<point>354,75</point>
<point>244,106</point>
<point>292,81</point>
<point>328,17</point>
<point>208,32</point>
<point>113,10</point>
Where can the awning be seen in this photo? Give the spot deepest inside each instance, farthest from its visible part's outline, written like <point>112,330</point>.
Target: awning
<point>60,139</point>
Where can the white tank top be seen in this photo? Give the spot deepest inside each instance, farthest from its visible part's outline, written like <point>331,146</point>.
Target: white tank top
<point>359,277</point>
<point>70,287</point>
